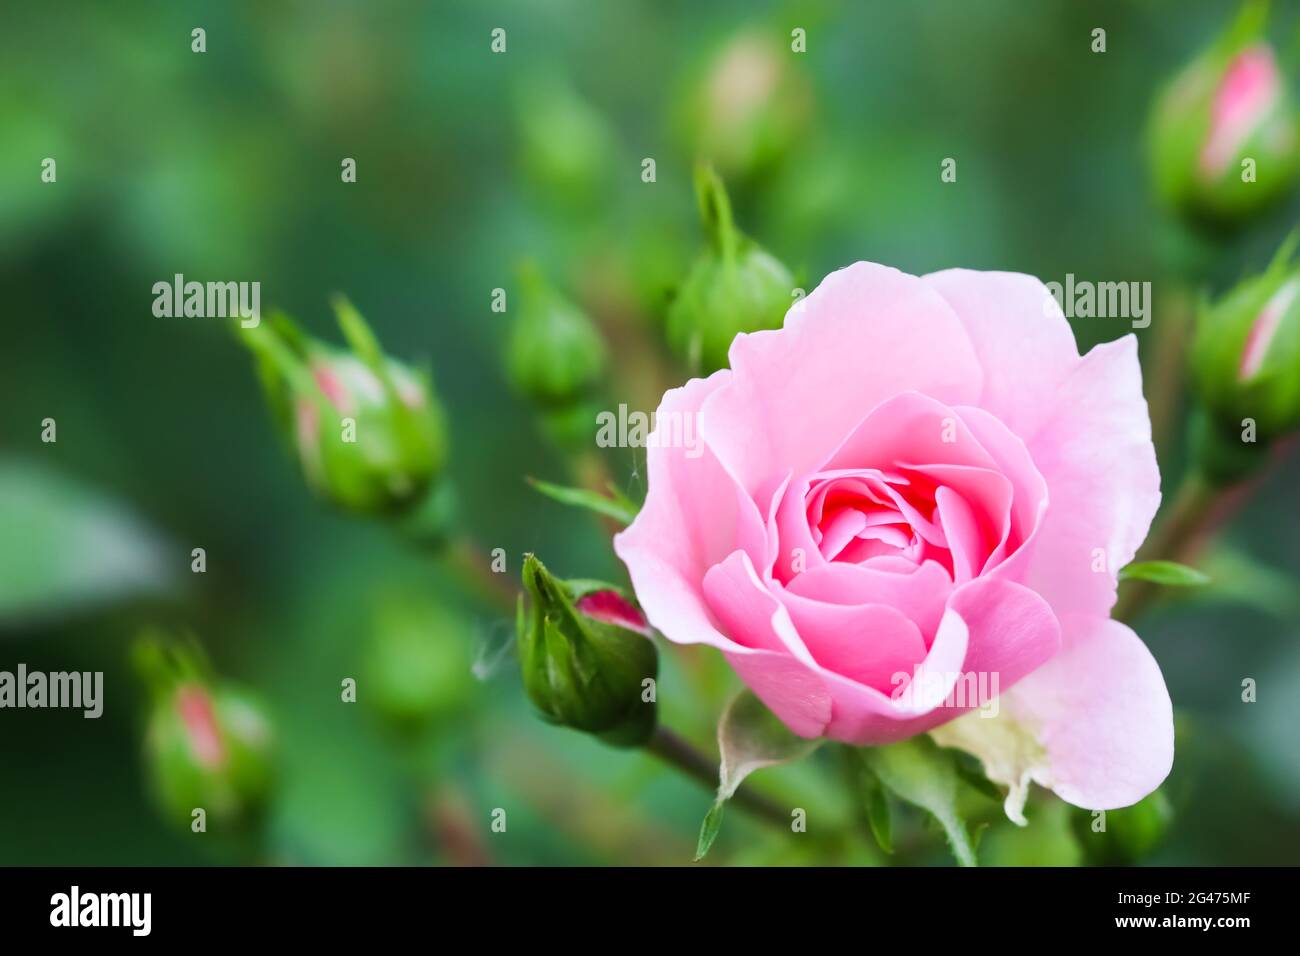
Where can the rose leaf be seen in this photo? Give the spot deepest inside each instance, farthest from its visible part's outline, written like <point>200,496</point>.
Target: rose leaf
<point>750,737</point>
<point>919,772</point>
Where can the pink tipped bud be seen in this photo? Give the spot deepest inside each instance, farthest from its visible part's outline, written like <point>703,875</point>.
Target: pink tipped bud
<point>1247,94</point>
<point>195,708</point>
<point>610,607</point>
<point>1265,328</point>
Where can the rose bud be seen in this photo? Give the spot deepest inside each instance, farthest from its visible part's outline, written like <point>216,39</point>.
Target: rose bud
<point>585,653</point>
<point>1224,137</point>
<point>554,354</point>
<point>566,147</point>
<point>367,430</point>
<point>1245,356</point>
<point>750,106</point>
<point>417,668</point>
<point>209,748</point>
<point>733,287</point>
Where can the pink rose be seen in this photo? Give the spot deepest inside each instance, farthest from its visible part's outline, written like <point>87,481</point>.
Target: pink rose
<point>909,503</point>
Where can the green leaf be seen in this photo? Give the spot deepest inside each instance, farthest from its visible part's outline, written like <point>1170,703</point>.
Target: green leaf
<point>1169,573</point>
<point>875,808</point>
<point>620,509</point>
<point>358,333</point>
<point>750,737</point>
<point>66,545</point>
<point>709,830</point>
<point>880,818</point>
<point>921,773</point>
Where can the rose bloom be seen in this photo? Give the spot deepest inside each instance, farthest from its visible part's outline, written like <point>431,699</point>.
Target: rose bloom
<point>911,499</point>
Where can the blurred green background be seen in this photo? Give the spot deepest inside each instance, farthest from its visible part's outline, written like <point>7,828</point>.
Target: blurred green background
<point>226,166</point>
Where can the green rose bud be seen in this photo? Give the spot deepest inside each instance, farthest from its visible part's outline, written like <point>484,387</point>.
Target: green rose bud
<point>733,287</point>
<point>566,146</point>
<point>208,746</point>
<point>586,656</point>
<point>367,430</point>
<point>749,107</point>
<point>1224,138</point>
<point>554,354</point>
<point>1245,357</point>
<point>417,668</point>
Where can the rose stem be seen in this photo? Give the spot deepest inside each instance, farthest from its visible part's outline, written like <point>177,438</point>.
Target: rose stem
<point>473,567</point>
<point>678,752</point>
<point>1198,509</point>
<point>1167,369</point>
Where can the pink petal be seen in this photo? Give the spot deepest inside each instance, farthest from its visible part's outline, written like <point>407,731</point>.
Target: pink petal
<point>908,428</point>
<point>867,643</point>
<point>1096,455</point>
<point>964,539</point>
<point>194,704</point>
<point>1102,712</point>
<point>610,607</point>
<point>767,653</point>
<point>789,689</point>
<point>865,334</point>
<point>1265,328</point>
<point>921,594</point>
<point>742,606</point>
<point>693,517</point>
<point>1248,91</point>
<point>992,630</point>
<point>1030,501</point>
<point>1024,344</point>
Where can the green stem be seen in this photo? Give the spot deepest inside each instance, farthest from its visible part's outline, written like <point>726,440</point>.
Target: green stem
<point>715,210</point>
<point>1196,511</point>
<point>474,569</point>
<point>1168,368</point>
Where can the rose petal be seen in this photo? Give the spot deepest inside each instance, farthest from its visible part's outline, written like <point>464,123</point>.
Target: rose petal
<point>1095,454</point>
<point>864,334</point>
<point>867,643</point>
<point>992,635</point>
<point>694,516</point>
<point>1098,716</point>
<point>921,594</point>
<point>1023,342</point>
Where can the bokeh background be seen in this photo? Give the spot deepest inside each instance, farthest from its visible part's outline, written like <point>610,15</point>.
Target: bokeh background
<point>226,165</point>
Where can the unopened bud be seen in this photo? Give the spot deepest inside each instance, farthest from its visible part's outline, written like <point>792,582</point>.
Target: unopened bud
<point>733,287</point>
<point>1225,142</point>
<point>367,430</point>
<point>208,745</point>
<point>586,657</point>
<point>1246,354</point>
<point>555,355</point>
